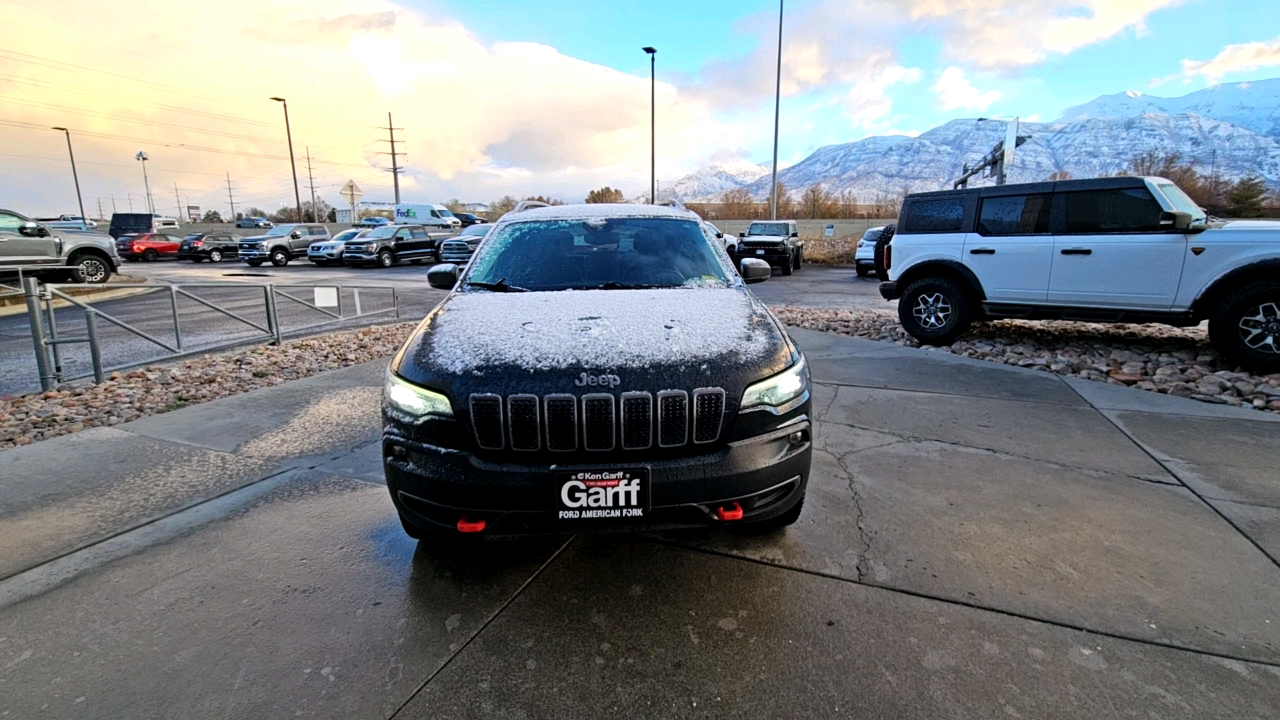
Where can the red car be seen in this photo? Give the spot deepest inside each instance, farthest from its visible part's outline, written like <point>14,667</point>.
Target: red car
<point>148,246</point>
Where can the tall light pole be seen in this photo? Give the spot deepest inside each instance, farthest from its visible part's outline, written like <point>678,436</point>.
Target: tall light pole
<point>142,157</point>
<point>74,175</point>
<point>653,124</point>
<point>777,116</point>
<point>297,198</point>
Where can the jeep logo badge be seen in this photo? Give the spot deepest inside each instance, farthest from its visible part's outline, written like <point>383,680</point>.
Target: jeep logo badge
<point>609,381</point>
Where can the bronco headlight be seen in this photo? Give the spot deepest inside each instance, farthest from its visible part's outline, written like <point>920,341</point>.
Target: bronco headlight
<point>413,400</point>
<point>779,389</point>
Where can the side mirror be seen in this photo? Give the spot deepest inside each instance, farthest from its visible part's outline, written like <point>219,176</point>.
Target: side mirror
<point>295,235</point>
<point>1179,221</point>
<point>742,234</point>
<point>795,234</point>
<point>443,277</point>
<point>755,271</point>
<point>30,229</point>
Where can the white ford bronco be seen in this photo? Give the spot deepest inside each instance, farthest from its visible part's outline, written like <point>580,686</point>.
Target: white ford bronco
<point>1125,249</point>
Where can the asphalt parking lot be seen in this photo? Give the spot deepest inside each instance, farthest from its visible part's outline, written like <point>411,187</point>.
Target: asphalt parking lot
<point>979,541</point>
<point>813,286</point>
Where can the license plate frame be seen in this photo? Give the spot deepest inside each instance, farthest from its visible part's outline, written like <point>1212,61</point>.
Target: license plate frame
<point>615,500</point>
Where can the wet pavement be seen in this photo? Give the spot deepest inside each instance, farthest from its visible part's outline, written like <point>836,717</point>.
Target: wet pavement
<point>978,541</point>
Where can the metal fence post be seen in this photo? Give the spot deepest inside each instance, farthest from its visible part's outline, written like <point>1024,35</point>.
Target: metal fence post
<point>95,352</point>
<point>31,291</point>
<point>395,300</point>
<point>356,292</point>
<point>173,303</point>
<point>54,345</point>
<point>273,318</point>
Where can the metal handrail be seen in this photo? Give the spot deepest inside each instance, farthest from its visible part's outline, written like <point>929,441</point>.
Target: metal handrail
<point>48,344</point>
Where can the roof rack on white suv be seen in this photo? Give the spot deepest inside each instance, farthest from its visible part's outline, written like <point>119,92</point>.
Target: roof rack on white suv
<point>529,205</point>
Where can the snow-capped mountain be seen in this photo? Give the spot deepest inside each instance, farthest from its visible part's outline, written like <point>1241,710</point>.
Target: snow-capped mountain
<point>1233,129</point>
<point>1251,105</point>
<point>709,182</point>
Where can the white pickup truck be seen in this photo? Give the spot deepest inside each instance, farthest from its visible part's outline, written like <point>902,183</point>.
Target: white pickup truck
<point>1127,249</point>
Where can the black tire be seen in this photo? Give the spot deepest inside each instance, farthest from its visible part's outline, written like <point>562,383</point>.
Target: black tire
<point>799,257</point>
<point>790,265</point>
<point>215,256</point>
<point>279,257</point>
<point>861,270</point>
<point>254,263</point>
<point>197,259</point>
<point>1245,327</point>
<point>89,268</point>
<point>776,523</point>
<point>936,310</point>
<point>150,255</point>
<point>386,259</point>
<point>886,236</point>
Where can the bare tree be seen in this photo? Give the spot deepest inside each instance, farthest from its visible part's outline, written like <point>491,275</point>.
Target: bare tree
<point>606,194</point>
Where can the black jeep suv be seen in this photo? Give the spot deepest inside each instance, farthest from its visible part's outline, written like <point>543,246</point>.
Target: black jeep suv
<point>597,367</point>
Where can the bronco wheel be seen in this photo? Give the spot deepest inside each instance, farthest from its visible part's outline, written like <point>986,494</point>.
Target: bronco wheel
<point>279,257</point>
<point>790,265</point>
<point>150,255</point>
<point>215,256</point>
<point>935,310</point>
<point>386,259</point>
<point>1245,327</point>
<point>90,269</point>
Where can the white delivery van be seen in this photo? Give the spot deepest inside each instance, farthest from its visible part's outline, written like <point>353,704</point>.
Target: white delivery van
<point>429,215</point>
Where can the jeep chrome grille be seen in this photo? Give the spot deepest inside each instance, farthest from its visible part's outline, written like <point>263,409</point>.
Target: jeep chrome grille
<point>597,422</point>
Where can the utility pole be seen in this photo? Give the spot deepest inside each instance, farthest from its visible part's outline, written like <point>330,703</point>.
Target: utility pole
<point>142,157</point>
<point>652,52</point>
<point>232,198</point>
<point>178,201</point>
<point>312,181</point>
<point>777,116</point>
<point>100,217</point>
<point>395,165</point>
<point>113,204</point>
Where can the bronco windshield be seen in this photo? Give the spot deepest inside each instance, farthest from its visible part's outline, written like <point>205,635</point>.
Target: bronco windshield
<point>768,228</point>
<point>618,253</point>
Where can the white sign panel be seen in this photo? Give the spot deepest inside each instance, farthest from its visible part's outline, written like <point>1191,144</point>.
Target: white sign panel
<point>830,231</point>
<point>326,297</point>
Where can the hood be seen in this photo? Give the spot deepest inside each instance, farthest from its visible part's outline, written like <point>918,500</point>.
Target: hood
<point>543,342</point>
<point>765,238</point>
<point>260,238</point>
<point>1247,231</point>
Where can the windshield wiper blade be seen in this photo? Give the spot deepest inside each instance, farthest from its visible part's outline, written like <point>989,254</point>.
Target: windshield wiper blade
<point>500,286</point>
<point>615,285</point>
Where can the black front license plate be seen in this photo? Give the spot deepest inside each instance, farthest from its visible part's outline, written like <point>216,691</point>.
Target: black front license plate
<point>608,495</point>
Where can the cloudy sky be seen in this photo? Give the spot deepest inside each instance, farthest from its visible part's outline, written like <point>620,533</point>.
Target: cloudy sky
<point>531,97</point>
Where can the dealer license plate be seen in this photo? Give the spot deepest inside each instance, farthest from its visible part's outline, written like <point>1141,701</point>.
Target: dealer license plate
<point>617,495</point>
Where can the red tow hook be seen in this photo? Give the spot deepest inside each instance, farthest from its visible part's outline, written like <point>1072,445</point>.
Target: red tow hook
<point>470,526</point>
<point>733,512</point>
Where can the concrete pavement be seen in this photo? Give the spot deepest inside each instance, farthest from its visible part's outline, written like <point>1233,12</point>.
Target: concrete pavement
<point>979,540</point>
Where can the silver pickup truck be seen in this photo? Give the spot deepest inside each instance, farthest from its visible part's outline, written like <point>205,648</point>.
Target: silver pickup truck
<point>86,257</point>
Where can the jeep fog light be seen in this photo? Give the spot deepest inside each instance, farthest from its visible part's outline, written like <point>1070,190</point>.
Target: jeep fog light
<point>413,400</point>
<point>779,389</point>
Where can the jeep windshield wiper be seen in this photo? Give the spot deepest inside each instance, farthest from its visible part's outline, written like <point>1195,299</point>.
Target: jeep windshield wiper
<point>500,286</point>
<point>614,285</point>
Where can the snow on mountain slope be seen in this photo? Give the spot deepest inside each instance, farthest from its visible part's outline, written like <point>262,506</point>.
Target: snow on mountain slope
<point>712,181</point>
<point>1234,129</point>
<point>1251,105</point>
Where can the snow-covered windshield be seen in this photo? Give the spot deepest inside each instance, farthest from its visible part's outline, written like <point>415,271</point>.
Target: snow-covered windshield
<point>769,228</point>
<point>1181,201</point>
<point>617,253</point>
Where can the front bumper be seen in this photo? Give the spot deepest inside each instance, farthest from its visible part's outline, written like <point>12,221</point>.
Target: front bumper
<point>254,254</point>
<point>434,487</point>
<point>777,256</point>
<point>359,257</point>
<point>328,254</point>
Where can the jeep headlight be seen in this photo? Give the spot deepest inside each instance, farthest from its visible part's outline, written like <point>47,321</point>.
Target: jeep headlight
<point>779,389</point>
<point>413,400</point>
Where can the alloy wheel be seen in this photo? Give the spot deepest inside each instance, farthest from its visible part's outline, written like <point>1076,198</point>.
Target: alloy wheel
<point>215,256</point>
<point>1260,328</point>
<point>932,310</point>
<point>92,270</point>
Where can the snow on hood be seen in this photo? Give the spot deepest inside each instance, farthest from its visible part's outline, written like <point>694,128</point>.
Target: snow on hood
<point>604,329</point>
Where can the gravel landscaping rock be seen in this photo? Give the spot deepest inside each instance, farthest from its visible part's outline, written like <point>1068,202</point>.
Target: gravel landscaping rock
<point>1155,358</point>
<point>157,389</point>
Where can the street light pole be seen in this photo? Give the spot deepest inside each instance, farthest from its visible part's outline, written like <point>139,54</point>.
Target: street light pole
<point>777,115</point>
<point>653,124</point>
<point>297,197</point>
<point>143,158</point>
<point>74,176</point>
